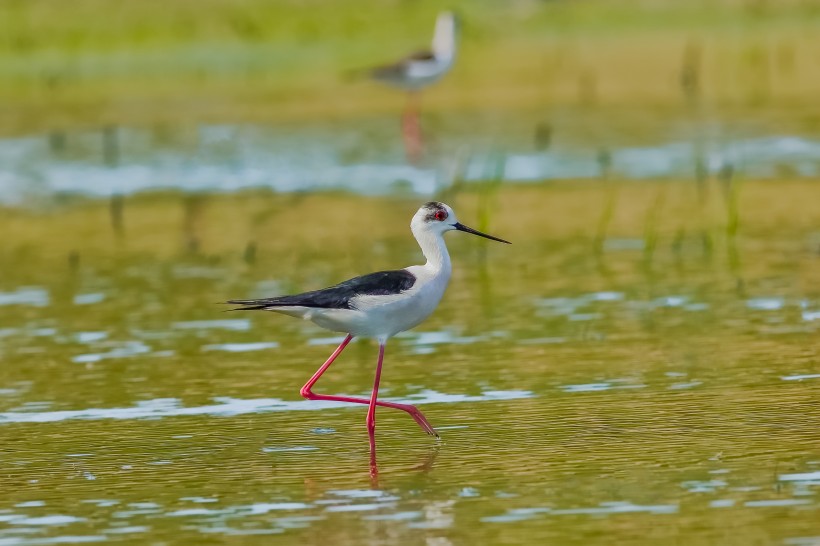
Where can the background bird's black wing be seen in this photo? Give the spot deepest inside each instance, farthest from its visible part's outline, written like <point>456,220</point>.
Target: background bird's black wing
<point>423,55</point>
<point>397,69</point>
<point>382,283</point>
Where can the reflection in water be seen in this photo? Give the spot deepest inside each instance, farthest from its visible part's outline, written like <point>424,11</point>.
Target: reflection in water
<point>25,295</point>
<point>241,347</point>
<point>127,348</point>
<point>604,508</point>
<point>224,324</point>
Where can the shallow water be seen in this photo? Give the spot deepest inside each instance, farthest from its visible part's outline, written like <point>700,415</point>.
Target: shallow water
<point>582,397</point>
<point>365,156</point>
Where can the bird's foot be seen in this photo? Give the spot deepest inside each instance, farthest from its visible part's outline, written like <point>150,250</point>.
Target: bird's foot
<point>422,421</point>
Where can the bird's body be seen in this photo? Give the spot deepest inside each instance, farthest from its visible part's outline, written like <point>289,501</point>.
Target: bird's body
<point>383,315</point>
<point>378,305</point>
<point>424,67</point>
<point>375,313</point>
<point>417,71</point>
<point>413,72</point>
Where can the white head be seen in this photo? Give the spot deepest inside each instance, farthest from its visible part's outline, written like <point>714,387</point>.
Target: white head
<point>444,38</point>
<point>437,218</point>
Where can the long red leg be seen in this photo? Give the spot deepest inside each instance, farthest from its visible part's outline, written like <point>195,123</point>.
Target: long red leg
<point>371,410</point>
<point>411,129</point>
<point>371,413</point>
<point>306,392</point>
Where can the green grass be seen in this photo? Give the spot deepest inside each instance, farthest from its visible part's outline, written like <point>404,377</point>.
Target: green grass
<point>95,61</point>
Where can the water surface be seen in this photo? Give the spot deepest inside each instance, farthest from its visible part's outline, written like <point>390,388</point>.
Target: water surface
<point>365,155</point>
<point>583,396</point>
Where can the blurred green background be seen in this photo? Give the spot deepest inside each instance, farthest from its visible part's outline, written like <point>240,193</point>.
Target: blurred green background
<point>252,61</point>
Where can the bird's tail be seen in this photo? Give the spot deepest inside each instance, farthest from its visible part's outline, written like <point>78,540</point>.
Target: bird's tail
<point>286,305</point>
<point>276,303</point>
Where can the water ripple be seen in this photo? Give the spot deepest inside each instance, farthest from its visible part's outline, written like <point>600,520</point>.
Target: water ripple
<point>228,407</point>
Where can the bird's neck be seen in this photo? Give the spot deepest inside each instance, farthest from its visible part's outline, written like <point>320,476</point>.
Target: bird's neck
<point>433,247</point>
<point>444,41</point>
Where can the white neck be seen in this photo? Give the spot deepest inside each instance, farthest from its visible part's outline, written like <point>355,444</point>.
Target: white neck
<point>433,247</point>
<point>444,39</point>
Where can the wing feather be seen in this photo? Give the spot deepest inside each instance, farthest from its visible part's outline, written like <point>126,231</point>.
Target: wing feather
<point>338,296</point>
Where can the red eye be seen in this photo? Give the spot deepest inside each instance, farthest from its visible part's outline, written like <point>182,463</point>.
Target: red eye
<point>441,215</point>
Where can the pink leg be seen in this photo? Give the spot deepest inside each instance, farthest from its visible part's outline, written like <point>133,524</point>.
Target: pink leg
<point>412,410</point>
<point>305,392</point>
<point>411,129</point>
<point>371,410</point>
<point>371,413</point>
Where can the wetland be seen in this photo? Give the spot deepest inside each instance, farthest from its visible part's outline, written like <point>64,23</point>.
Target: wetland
<point>639,367</point>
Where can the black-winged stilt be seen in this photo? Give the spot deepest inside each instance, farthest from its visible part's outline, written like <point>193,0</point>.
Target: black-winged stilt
<point>418,70</point>
<point>379,305</point>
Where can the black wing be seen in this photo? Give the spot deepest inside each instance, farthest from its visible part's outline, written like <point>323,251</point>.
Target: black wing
<point>382,283</point>
<point>398,68</point>
<point>423,55</point>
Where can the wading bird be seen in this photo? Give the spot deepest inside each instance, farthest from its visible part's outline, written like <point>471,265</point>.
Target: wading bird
<point>416,71</point>
<point>378,305</point>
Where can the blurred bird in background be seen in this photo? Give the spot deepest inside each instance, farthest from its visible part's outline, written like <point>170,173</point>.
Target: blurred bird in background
<point>417,71</point>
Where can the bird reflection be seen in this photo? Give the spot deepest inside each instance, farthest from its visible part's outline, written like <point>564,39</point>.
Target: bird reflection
<point>424,466</point>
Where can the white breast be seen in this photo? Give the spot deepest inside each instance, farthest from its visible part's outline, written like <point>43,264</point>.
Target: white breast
<point>421,73</point>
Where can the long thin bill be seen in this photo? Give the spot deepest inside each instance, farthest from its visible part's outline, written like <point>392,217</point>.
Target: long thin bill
<point>461,227</point>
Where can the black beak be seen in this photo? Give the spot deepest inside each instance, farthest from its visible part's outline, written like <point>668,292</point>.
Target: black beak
<point>461,227</point>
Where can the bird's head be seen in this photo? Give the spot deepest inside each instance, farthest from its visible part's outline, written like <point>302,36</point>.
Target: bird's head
<point>438,218</point>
